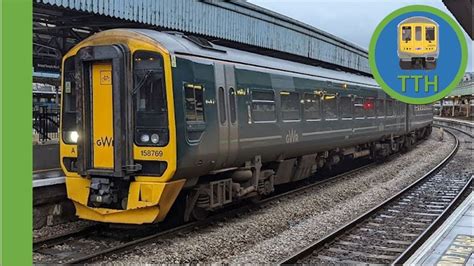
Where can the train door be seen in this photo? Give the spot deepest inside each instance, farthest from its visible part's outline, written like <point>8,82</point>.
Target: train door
<point>105,149</point>
<point>231,97</point>
<point>227,114</point>
<point>418,40</point>
<point>223,136</point>
<point>102,116</point>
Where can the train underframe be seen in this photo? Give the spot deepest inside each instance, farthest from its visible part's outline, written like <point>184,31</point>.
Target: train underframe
<point>257,179</point>
<point>427,63</point>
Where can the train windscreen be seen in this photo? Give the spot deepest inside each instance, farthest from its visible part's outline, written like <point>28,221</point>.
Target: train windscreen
<point>406,33</point>
<point>150,95</point>
<point>69,130</point>
<point>430,33</point>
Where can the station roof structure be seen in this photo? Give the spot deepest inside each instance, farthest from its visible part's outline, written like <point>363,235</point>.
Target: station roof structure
<point>463,89</point>
<point>60,24</point>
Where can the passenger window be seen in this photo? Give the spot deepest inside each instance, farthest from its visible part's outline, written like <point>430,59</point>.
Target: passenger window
<point>406,33</point>
<point>390,107</point>
<point>359,107</point>
<point>194,97</point>
<point>222,110</point>
<point>330,106</point>
<point>263,106</point>
<point>380,108</point>
<point>369,107</point>
<point>401,108</point>
<point>418,33</point>
<point>233,111</point>
<point>346,107</point>
<point>430,33</point>
<point>312,109</point>
<point>290,105</point>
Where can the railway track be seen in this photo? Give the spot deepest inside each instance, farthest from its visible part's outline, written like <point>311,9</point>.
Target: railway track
<point>80,237</point>
<point>46,242</point>
<point>393,230</point>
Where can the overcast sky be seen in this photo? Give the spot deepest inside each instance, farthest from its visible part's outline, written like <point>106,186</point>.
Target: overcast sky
<point>352,20</point>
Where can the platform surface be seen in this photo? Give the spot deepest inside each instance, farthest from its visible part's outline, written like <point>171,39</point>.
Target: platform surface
<point>453,242</point>
<point>466,121</point>
<point>48,177</point>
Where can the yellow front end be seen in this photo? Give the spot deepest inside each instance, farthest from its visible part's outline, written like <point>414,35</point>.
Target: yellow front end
<point>149,197</point>
<point>413,38</point>
<point>148,202</point>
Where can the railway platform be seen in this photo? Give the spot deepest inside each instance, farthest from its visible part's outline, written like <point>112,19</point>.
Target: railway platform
<point>50,205</point>
<point>453,242</point>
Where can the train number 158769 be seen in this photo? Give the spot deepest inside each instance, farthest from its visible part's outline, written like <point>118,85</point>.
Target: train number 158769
<point>151,153</point>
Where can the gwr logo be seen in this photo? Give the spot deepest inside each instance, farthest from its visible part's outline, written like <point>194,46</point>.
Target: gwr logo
<point>292,136</point>
<point>105,77</point>
<point>104,142</point>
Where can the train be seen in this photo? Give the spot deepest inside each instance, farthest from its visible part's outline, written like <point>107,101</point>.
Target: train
<point>154,121</point>
<point>418,43</point>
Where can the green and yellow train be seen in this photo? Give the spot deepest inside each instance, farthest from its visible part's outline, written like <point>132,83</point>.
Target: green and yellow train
<point>152,121</point>
<point>418,43</point>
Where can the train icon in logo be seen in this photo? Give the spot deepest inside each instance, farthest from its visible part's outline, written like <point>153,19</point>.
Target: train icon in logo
<point>418,43</point>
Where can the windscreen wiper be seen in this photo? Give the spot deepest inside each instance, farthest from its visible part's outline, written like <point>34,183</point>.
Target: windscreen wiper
<point>147,75</point>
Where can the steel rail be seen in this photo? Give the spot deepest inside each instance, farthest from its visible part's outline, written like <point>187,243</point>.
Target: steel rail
<point>308,250</point>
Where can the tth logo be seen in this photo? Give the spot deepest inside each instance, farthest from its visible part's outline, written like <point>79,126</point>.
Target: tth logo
<point>292,136</point>
<point>104,142</point>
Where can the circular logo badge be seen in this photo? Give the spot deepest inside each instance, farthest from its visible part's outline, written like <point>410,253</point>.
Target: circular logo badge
<point>418,54</point>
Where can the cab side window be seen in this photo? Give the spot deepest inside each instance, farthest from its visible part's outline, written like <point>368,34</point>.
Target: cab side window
<point>194,102</point>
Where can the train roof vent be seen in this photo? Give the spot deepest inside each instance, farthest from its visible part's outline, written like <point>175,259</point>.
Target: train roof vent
<point>202,43</point>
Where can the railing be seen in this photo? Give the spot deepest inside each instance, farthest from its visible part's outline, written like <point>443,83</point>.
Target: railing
<point>45,122</point>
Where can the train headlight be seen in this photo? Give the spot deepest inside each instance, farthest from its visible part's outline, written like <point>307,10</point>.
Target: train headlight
<point>155,138</point>
<point>73,136</point>
<point>145,138</point>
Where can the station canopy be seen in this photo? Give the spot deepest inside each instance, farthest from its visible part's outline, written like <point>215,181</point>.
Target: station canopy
<point>60,24</point>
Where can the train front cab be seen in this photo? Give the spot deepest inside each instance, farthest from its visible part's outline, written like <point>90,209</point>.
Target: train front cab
<point>118,136</point>
<point>418,43</point>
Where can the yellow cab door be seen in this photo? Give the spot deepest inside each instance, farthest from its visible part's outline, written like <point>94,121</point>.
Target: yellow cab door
<point>418,42</point>
<point>102,116</point>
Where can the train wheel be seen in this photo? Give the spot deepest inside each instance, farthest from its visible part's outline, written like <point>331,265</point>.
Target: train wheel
<point>199,214</point>
<point>407,144</point>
